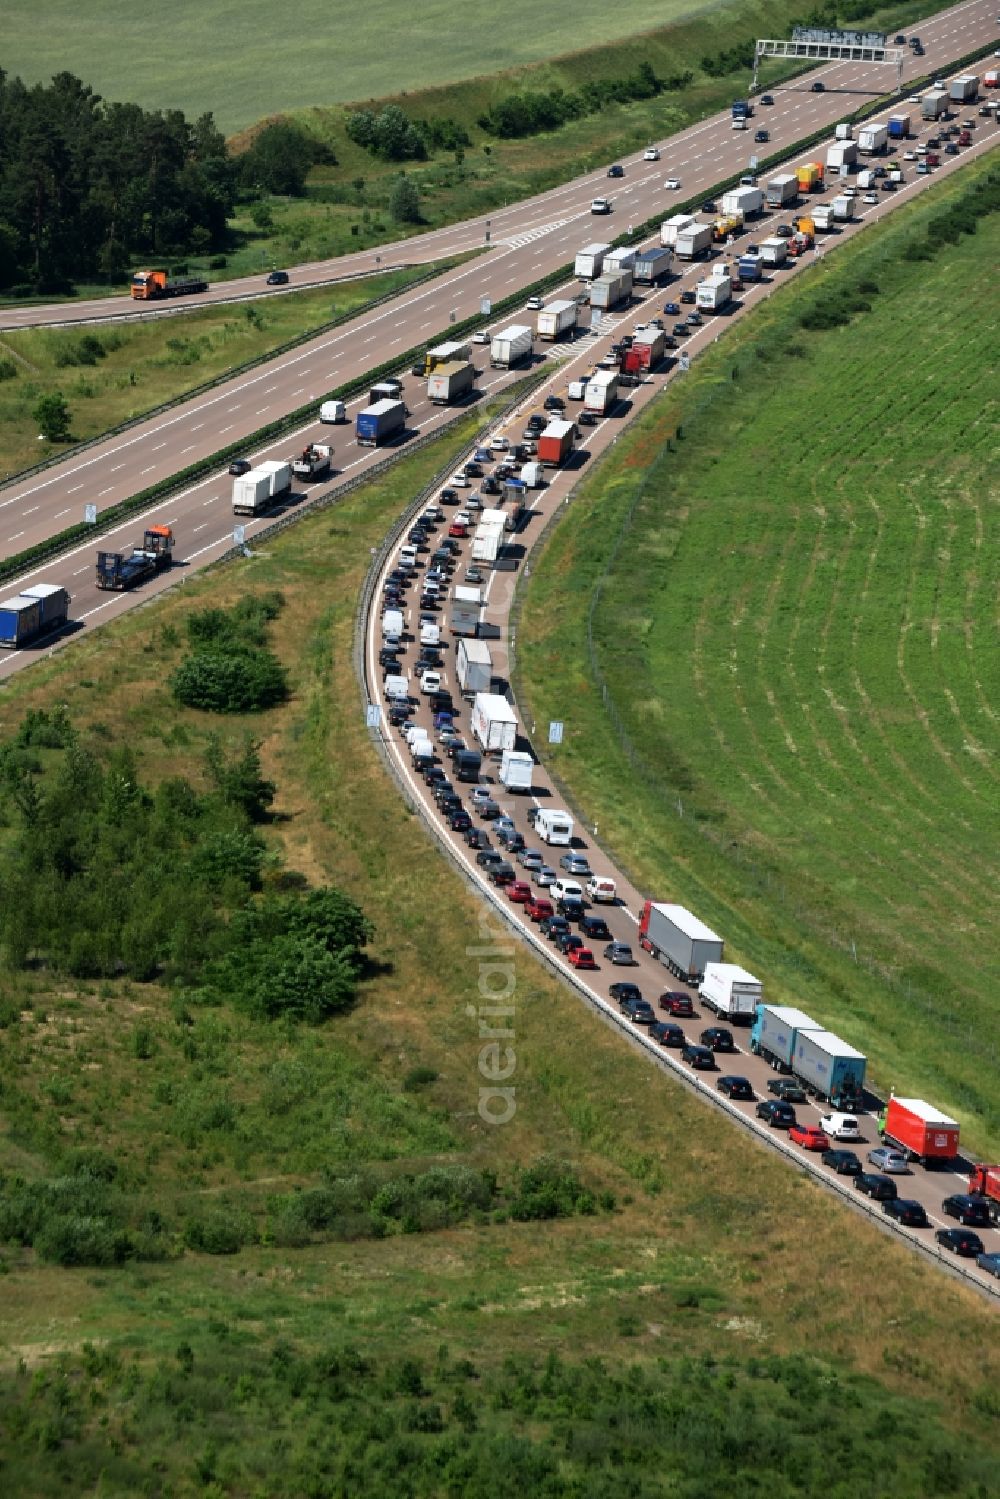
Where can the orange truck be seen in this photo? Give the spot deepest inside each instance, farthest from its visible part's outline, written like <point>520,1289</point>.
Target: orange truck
<point>151,286</point>
<point>984,1181</point>
<point>810,176</point>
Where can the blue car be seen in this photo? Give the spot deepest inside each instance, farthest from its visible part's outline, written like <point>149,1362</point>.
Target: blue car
<point>672,308</point>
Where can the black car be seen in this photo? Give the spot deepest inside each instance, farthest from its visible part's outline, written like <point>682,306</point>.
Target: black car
<point>960,1241</point>
<point>388,657</point>
<point>503,873</point>
<point>399,713</point>
<point>552,926</point>
<point>736,1087</point>
<point>435,776</point>
<point>587,419</point>
<point>418,370</point>
<point>488,856</point>
<point>681,330</point>
<point>625,990</point>
<point>461,822</point>
<point>702,1058</point>
<point>708,206</point>
<point>278,278</point>
<point>876,1186</point>
<point>667,1034</point>
<point>566,941</point>
<point>688,296</point>
<point>973,1211</point>
<point>766,99</point>
<point>818,87</point>
<point>594,928</point>
<point>240,466</point>
<point>616,170</point>
<point>572,907</point>
<point>450,803</point>
<point>776,1113</point>
<point>554,403</point>
<point>904,1210</point>
<point>843,1162</point>
<point>476,838</point>
<point>718,1038</point>
<point>512,842</point>
<point>639,1011</point>
<point>786,1089</point>
<point>489,485</point>
<point>762,137</point>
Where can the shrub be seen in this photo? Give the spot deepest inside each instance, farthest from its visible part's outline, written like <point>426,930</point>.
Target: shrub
<point>233,681</point>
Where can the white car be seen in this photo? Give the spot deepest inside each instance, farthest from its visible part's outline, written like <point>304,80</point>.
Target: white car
<point>600,205</point>
<point>534,304</point>
<point>499,444</point>
<point>672,184</point>
<point>459,480</point>
<point>870,198</point>
<point>482,337</point>
<point>408,556</point>
<point>841,1127</point>
<point>910,155</point>
<point>462,518</point>
<point>559,889</point>
<point>651,154</point>
<point>430,682</point>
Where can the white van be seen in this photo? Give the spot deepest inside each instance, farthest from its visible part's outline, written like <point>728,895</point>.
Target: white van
<point>533,475</point>
<point>554,827</point>
<point>577,390</point>
<point>841,1127</point>
<point>397,688</point>
<point>430,634</point>
<point>601,889</point>
<point>392,626</point>
<point>333,411</point>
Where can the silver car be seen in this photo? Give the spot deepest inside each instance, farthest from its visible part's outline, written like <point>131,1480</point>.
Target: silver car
<point>545,876</point>
<point>893,1162</point>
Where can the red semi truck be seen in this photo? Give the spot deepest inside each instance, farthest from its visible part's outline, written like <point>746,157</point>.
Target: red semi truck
<point>918,1129</point>
<point>984,1181</point>
<point>556,443</point>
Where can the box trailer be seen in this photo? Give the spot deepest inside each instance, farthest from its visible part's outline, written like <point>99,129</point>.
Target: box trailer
<point>473,666</point>
<point>450,382</point>
<point>693,241</point>
<point>648,348</point>
<point>610,288</point>
<point>555,444</point>
<point>822,216</point>
<point>679,940</point>
<point>449,352</point>
<point>965,89</point>
<point>829,1069</point>
<point>557,318</point>
<point>714,293</point>
<point>844,131</point>
<point>488,539</point>
<point>464,609</point>
<point>782,190</point>
<point>774,1031</point>
<point>621,259</point>
<point>251,493</point>
<point>918,1129</point>
<point>843,207</point>
<point>810,177</point>
<point>749,268</point>
<point>554,826</point>
<point>516,770</point>
<point>873,139</point>
<point>652,265</point>
<point>774,251</point>
<point>590,261</point>
<point>494,722</point>
<point>843,154</point>
<point>376,424</point>
<point>602,392</point>
<point>899,127</point>
<point>670,228</point>
<point>743,202</point>
<point>730,992</point>
<point>934,104</point>
<point>510,346</point>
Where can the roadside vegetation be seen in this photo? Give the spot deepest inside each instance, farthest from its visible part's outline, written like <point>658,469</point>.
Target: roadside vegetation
<point>776,659</point>
<point>111,375</point>
<point>253,1254</point>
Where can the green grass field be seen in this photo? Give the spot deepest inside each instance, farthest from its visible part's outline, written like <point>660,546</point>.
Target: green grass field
<point>186,56</point>
<point>796,633</point>
<point>592,1343</point>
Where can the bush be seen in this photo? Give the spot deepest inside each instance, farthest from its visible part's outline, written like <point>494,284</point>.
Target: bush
<point>8,369</point>
<point>235,681</point>
<point>218,1232</point>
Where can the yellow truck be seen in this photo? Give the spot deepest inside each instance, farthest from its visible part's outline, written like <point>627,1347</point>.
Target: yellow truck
<point>810,176</point>
<point>725,226</point>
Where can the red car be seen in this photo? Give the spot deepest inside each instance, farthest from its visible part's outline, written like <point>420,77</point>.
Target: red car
<point>809,1136</point>
<point>519,892</point>
<point>582,957</point>
<point>676,1002</point>
<point>539,910</point>
<point>458,528</point>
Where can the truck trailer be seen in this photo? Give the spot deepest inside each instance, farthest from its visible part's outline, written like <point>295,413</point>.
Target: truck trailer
<point>749,268</point>
<point>652,265</point>
<point>602,392</point>
<point>610,288</point>
<point>899,127</point>
<point>829,1069</point>
<point>555,444</point>
<point>693,241</point>
<point>516,770</point>
<point>554,826</point>
<point>746,202</point>
<point>33,614</point>
<point>473,667</point>
<point>621,259</point>
<point>465,606</point>
<point>590,260</point>
<point>774,251</point>
<point>449,382</point>
<point>730,992</point>
<point>810,177</point>
<point>450,352</point>
<point>153,286</point>
<point>964,90</point>
<point>934,104</point>
<point>488,539</point>
<point>679,940</point>
<point>822,216</point>
<point>120,571</point>
<point>494,722</point>
<point>511,345</point>
<point>557,318</point>
<point>670,228</point>
<point>873,139</point>
<point>843,207</point>
<point>919,1130</point>
<point>782,190</point>
<point>648,348</point>
<point>714,293</point>
<point>843,154</point>
<point>774,1031</point>
<point>376,424</point>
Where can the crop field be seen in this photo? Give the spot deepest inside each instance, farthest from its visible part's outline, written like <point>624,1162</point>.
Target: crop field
<point>189,57</point>
<point>577,1351</point>
<point>786,713</point>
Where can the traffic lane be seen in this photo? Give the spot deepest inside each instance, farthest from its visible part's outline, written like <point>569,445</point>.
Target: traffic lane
<point>274,384</point>
<point>972,24</point>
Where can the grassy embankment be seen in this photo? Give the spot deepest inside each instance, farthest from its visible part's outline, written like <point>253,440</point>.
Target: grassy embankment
<point>110,375</point>
<point>797,630</point>
<point>234,1375</point>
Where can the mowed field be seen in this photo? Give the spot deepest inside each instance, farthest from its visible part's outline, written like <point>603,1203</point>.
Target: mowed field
<point>247,61</point>
<point>787,716</point>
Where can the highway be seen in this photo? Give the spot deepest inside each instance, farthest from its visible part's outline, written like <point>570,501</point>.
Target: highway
<point>541,231</point>
<point>201,515</point>
<point>928,1187</point>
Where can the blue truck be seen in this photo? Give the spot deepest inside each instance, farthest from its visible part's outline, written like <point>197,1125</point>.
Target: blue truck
<point>32,614</point>
<point>742,109</point>
<point>119,571</point>
<point>378,422</point>
<point>827,1067</point>
<point>774,1032</point>
<point>748,268</point>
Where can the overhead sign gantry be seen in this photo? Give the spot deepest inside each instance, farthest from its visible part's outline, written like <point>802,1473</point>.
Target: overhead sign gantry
<point>817,45</point>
